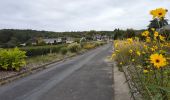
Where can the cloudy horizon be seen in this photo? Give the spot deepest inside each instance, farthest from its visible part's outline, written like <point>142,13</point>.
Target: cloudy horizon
<point>77,15</point>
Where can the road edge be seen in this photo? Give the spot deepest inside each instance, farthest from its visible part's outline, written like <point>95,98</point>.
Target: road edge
<point>120,86</point>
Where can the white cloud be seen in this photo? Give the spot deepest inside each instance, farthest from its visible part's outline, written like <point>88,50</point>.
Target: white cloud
<point>77,15</point>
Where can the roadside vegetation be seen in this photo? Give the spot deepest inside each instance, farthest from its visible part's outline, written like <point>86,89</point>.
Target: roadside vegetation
<point>146,59</point>
<point>42,50</point>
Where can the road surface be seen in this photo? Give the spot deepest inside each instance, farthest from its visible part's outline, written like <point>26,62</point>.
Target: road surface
<point>85,77</point>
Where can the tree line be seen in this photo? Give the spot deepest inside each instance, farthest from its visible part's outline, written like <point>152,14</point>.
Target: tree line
<point>13,37</point>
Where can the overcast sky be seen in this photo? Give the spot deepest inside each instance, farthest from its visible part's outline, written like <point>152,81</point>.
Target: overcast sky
<point>77,15</point>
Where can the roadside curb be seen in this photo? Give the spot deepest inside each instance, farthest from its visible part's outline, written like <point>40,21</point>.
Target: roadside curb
<point>120,86</point>
<point>134,94</point>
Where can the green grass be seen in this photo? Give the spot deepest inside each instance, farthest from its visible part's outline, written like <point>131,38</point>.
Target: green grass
<point>47,58</point>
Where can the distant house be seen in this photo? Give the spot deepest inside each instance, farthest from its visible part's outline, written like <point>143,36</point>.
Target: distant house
<point>100,37</point>
<point>97,37</point>
<point>23,44</point>
<point>34,43</point>
<point>31,41</point>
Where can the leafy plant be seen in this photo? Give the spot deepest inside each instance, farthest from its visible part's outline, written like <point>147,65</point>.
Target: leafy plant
<point>89,46</point>
<point>74,47</point>
<point>12,59</point>
<point>42,50</point>
<point>64,50</point>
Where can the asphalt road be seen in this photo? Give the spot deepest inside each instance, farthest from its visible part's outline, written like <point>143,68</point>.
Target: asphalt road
<point>85,77</point>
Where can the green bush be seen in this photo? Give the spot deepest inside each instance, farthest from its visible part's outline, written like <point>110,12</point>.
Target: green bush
<point>98,44</point>
<point>64,50</point>
<point>12,59</point>
<point>74,47</point>
<point>42,50</point>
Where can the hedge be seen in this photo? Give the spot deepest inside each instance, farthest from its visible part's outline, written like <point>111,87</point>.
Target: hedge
<point>42,50</point>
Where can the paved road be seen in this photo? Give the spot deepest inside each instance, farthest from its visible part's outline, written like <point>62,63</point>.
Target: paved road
<point>85,77</point>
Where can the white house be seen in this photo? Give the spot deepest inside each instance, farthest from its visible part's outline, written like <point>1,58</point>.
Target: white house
<point>52,40</point>
<point>23,44</point>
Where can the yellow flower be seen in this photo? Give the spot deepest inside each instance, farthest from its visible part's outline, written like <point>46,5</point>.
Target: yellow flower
<point>145,33</point>
<point>113,55</point>
<point>155,47</point>
<point>120,63</point>
<point>153,13</point>
<point>130,40</point>
<point>148,39</point>
<point>116,44</point>
<point>133,60</point>
<point>130,51</point>
<point>143,52</point>
<point>158,60</point>
<point>161,45</point>
<point>136,38</point>
<point>156,34</point>
<point>153,29</point>
<point>158,13</point>
<point>117,51</point>
<point>152,49</point>
<point>161,12</point>
<point>145,46</point>
<point>162,38</point>
<point>145,71</point>
<point>138,53</point>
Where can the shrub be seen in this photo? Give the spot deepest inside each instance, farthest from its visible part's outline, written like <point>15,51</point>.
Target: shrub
<point>42,50</point>
<point>89,46</point>
<point>98,43</point>
<point>74,47</point>
<point>64,50</point>
<point>12,59</point>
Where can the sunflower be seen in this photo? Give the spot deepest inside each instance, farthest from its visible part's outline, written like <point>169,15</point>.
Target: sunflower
<point>130,40</point>
<point>159,12</point>
<point>113,55</point>
<point>158,60</point>
<point>162,38</point>
<point>153,29</point>
<point>130,51</point>
<point>145,71</point>
<point>145,46</point>
<point>153,13</point>
<point>116,44</point>
<point>145,33</point>
<point>155,47</point>
<point>138,53</point>
<point>156,34</point>
<point>148,39</point>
